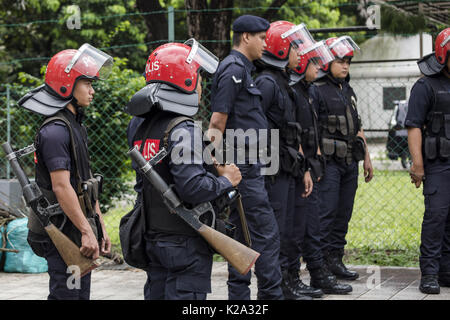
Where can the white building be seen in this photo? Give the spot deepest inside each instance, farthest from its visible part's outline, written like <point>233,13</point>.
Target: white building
<point>383,71</point>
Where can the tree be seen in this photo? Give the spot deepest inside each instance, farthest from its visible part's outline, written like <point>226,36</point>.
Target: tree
<point>34,30</point>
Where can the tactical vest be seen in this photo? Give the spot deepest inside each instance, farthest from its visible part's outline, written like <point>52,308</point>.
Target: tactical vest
<point>291,161</point>
<point>340,122</point>
<point>151,136</point>
<point>307,117</point>
<point>437,125</point>
<point>81,179</point>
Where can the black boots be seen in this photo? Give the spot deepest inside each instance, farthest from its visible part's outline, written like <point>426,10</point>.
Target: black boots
<point>303,288</point>
<point>337,267</point>
<point>322,278</point>
<point>429,284</point>
<point>289,287</point>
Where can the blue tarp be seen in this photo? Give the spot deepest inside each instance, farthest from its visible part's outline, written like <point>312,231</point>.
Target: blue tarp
<point>25,261</point>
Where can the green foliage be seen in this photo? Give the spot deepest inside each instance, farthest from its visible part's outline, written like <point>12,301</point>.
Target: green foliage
<point>102,23</point>
<point>396,22</point>
<point>107,124</point>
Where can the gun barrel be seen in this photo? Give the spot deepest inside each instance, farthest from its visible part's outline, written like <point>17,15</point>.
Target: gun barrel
<point>15,166</point>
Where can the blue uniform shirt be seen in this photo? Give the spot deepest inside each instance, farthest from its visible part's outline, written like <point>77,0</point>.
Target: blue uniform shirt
<point>420,103</point>
<point>235,93</point>
<point>192,182</point>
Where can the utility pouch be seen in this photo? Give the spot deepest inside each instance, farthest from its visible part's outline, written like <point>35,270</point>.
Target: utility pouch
<point>343,125</point>
<point>332,124</point>
<point>447,125</point>
<point>328,146</point>
<point>359,149</point>
<point>436,122</point>
<point>430,147</point>
<point>341,148</point>
<point>444,147</point>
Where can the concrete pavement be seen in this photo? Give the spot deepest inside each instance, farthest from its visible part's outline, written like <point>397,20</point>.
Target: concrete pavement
<point>120,282</point>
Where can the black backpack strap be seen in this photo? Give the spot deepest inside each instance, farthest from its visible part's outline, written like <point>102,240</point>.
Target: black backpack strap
<point>60,117</point>
<point>172,124</point>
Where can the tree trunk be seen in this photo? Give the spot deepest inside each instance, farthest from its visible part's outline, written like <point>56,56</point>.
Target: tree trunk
<point>156,23</point>
<point>211,28</point>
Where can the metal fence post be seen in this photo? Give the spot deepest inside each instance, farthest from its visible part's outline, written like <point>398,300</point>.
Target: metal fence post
<point>8,127</point>
<point>171,24</point>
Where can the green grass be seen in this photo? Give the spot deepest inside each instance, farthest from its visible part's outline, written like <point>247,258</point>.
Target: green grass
<point>386,222</point>
<point>385,226</point>
<point>112,221</point>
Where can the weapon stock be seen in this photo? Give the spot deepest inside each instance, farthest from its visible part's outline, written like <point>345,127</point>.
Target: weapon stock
<point>238,255</point>
<point>34,198</point>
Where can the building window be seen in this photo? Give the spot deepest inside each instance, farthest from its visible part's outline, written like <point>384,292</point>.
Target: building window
<point>392,94</point>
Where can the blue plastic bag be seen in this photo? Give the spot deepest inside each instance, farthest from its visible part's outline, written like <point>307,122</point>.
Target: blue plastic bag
<point>25,261</point>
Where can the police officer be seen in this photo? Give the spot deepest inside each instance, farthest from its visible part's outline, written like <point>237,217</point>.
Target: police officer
<point>63,165</point>
<point>278,103</point>
<point>236,104</point>
<point>429,144</point>
<point>307,220</point>
<point>181,260</point>
<point>343,145</point>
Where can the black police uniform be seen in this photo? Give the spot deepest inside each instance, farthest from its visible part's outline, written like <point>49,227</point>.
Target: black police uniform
<point>53,152</point>
<point>234,92</point>
<point>307,222</point>
<point>307,219</point>
<point>278,102</point>
<point>429,110</point>
<point>181,260</point>
<point>335,102</point>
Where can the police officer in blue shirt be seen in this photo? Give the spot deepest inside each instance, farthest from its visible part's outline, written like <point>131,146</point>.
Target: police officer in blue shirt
<point>343,145</point>
<point>63,165</point>
<point>236,104</point>
<point>181,260</point>
<point>278,102</point>
<point>307,219</point>
<point>428,122</point>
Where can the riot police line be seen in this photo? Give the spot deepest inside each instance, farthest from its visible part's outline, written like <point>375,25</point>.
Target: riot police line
<point>273,180</point>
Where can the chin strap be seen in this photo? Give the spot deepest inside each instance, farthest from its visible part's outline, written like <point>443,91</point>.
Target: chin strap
<point>79,109</point>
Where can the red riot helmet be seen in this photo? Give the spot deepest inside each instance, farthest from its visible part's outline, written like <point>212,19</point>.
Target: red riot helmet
<point>342,47</point>
<point>433,63</point>
<point>178,64</point>
<point>68,66</point>
<point>63,71</point>
<point>316,53</point>
<point>442,46</point>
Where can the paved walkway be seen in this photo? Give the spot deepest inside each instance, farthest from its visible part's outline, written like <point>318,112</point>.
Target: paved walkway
<point>120,282</point>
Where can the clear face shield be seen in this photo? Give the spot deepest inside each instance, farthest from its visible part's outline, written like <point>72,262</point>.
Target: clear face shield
<point>91,62</point>
<point>207,61</point>
<point>318,54</point>
<point>298,35</point>
<point>343,46</point>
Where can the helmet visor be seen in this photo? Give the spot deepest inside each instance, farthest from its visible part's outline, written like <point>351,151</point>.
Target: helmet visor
<point>319,54</point>
<point>91,62</point>
<point>343,46</point>
<point>207,61</point>
<point>298,36</point>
